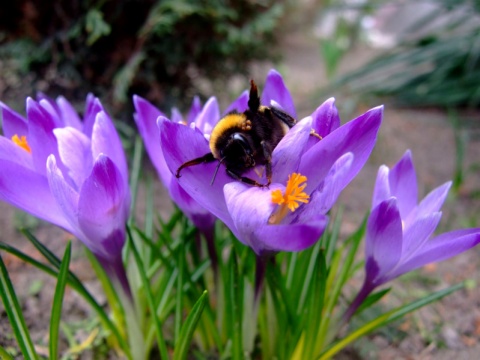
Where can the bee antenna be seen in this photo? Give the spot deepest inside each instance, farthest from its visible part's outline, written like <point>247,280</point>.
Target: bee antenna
<point>253,99</point>
<point>216,170</point>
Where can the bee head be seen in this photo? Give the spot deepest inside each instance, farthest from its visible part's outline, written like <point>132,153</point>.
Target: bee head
<point>238,152</point>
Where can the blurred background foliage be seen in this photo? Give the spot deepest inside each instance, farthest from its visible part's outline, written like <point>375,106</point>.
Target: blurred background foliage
<point>431,51</point>
<point>157,49</point>
<point>426,53</point>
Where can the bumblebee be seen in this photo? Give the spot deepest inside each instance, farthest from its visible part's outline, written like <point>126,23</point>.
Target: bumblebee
<point>242,141</point>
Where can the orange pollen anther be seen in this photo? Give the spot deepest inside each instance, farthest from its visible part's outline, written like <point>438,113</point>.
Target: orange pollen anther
<point>22,142</point>
<point>289,200</point>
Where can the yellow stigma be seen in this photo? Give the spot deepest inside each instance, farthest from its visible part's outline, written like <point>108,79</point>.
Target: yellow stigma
<point>290,200</point>
<point>22,142</point>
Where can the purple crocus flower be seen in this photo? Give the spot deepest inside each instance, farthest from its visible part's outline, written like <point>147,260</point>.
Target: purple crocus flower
<point>68,172</point>
<point>146,118</point>
<point>308,174</point>
<point>399,229</point>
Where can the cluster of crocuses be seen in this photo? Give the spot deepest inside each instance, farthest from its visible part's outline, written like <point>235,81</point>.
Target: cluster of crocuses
<point>73,173</point>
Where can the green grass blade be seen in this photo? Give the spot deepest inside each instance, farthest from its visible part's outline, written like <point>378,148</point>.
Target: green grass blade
<point>14,313</point>
<point>4,355</point>
<point>179,294</point>
<point>233,308</point>
<point>58,300</point>
<point>387,318</point>
<point>337,278</point>
<point>75,283</point>
<point>315,305</point>
<point>111,295</point>
<point>135,174</point>
<point>28,259</point>
<point>372,299</point>
<point>188,328</point>
<point>148,292</point>
<point>51,257</point>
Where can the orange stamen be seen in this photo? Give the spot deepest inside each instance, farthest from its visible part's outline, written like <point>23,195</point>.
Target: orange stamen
<point>22,142</point>
<point>290,199</point>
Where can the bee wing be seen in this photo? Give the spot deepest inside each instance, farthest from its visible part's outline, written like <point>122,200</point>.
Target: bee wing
<point>283,116</point>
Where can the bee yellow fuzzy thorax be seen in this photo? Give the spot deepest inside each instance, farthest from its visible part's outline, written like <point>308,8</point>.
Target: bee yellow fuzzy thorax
<point>235,121</point>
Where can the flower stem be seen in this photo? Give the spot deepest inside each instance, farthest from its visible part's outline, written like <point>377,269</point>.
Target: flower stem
<point>366,289</point>
<point>260,268</point>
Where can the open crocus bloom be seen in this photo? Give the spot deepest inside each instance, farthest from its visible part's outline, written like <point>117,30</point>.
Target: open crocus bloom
<point>69,172</point>
<point>308,174</point>
<point>399,229</point>
<point>146,118</point>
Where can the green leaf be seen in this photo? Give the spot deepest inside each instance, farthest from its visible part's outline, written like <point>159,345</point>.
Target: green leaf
<point>95,26</point>
<point>14,313</point>
<point>387,318</point>
<point>340,272</point>
<point>372,299</point>
<point>188,328</point>
<point>135,167</point>
<point>4,354</point>
<point>148,292</point>
<point>58,300</point>
<point>73,281</point>
<point>233,317</point>
<point>179,296</point>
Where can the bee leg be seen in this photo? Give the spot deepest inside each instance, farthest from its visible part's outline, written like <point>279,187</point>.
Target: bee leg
<point>267,154</point>
<point>314,133</point>
<point>201,160</point>
<point>244,179</point>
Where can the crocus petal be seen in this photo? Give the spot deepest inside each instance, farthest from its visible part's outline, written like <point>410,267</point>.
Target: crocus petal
<point>12,122</point>
<point>382,191</point>
<point>441,248</point>
<point>326,118</point>
<point>195,109</point>
<point>239,105</point>
<point>327,193</point>
<point>357,136</point>
<point>74,148</point>
<point>40,136</point>
<point>286,154</point>
<point>250,208</point>
<point>29,191</point>
<point>42,98</point>
<point>146,120</point>
<point>51,107</point>
<point>105,140</point>
<point>92,107</point>
<point>176,116</point>
<point>197,214</point>
<point>196,179</point>
<point>69,114</point>
<point>209,116</point>
<point>291,237</point>
<point>403,184</point>
<point>433,201</point>
<point>14,153</point>
<point>65,195</point>
<point>276,90</point>
<point>103,207</point>
<point>384,237</point>
<point>418,233</point>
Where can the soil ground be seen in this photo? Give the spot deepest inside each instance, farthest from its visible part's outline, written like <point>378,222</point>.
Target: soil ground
<point>448,329</point>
